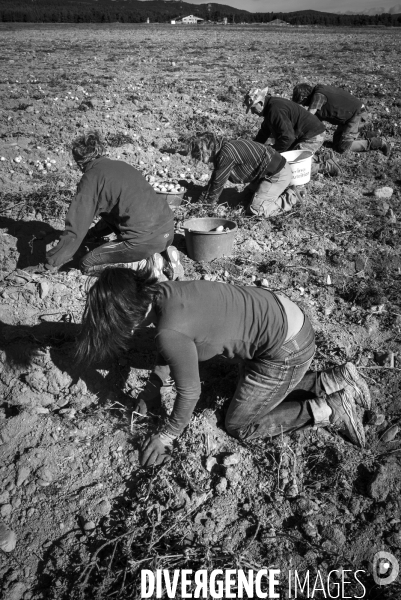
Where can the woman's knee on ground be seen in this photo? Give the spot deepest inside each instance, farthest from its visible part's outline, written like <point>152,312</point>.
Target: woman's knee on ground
<point>86,263</point>
<point>236,429</point>
<point>232,427</point>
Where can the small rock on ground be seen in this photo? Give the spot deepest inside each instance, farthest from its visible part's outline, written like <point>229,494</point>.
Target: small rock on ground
<point>379,486</point>
<point>8,539</point>
<point>383,192</point>
<point>16,591</point>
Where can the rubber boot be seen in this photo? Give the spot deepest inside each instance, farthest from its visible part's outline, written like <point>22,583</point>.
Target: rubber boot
<point>315,168</point>
<point>376,143</point>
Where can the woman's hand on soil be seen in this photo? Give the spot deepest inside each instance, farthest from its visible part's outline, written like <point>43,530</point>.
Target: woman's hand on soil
<point>154,451</point>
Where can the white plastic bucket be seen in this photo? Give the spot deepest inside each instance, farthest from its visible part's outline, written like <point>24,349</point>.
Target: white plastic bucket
<point>301,169</point>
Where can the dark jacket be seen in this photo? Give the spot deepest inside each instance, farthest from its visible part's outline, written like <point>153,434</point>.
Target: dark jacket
<point>288,123</point>
<point>117,192</point>
<point>340,107</point>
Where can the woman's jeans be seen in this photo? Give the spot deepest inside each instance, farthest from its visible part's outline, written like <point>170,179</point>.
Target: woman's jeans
<point>261,407</point>
<point>127,251</point>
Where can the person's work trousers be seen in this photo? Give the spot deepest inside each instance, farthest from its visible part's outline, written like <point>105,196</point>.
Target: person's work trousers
<point>313,144</point>
<point>345,136</point>
<point>269,198</point>
<point>127,251</point>
<point>261,407</point>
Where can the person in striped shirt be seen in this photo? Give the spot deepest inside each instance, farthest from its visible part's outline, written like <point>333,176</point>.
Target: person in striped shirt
<point>244,161</point>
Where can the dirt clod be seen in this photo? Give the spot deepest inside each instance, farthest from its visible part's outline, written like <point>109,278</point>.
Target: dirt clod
<point>390,434</point>
<point>22,476</point>
<point>380,485</point>
<point>383,192</point>
<point>8,539</point>
<point>231,460</point>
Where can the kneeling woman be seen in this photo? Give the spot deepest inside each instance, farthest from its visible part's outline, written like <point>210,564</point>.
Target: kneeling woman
<point>127,205</point>
<point>197,320</point>
<point>243,161</point>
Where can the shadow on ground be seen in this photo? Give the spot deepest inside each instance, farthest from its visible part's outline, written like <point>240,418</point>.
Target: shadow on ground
<point>21,344</point>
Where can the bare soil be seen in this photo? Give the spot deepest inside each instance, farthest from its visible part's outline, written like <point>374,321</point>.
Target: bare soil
<point>86,516</point>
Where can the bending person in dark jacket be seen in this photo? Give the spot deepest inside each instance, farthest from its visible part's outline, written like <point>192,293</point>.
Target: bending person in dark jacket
<point>243,161</point>
<point>127,205</point>
<point>339,107</point>
<point>290,127</point>
<point>198,320</point>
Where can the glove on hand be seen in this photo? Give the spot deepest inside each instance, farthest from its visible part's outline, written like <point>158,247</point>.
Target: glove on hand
<point>156,449</point>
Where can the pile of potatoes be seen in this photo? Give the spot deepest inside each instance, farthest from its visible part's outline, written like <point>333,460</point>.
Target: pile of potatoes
<point>164,184</point>
<point>167,187</point>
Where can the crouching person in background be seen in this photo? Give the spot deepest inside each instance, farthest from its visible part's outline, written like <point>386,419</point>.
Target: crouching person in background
<point>287,126</point>
<point>127,205</point>
<point>271,336</point>
<point>339,107</point>
<point>243,161</point>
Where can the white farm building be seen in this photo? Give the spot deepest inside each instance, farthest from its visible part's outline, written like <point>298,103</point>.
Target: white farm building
<point>278,22</point>
<point>190,20</point>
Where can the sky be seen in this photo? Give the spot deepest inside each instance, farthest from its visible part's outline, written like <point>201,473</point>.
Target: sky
<point>291,5</point>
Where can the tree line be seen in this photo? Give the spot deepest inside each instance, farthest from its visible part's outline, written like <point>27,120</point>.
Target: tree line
<point>101,11</point>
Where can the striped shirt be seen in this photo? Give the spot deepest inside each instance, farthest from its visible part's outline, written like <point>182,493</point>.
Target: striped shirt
<point>242,161</point>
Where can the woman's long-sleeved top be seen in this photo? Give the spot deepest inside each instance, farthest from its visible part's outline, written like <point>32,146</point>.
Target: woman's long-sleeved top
<point>288,123</point>
<point>242,161</point>
<point>117,192</point>
<point>197,320</point>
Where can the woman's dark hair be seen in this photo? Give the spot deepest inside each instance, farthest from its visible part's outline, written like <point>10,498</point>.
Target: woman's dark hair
<point>204,146</point>
<point>87,147</point>
<point>116,304</point>
<point>301,93</point>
